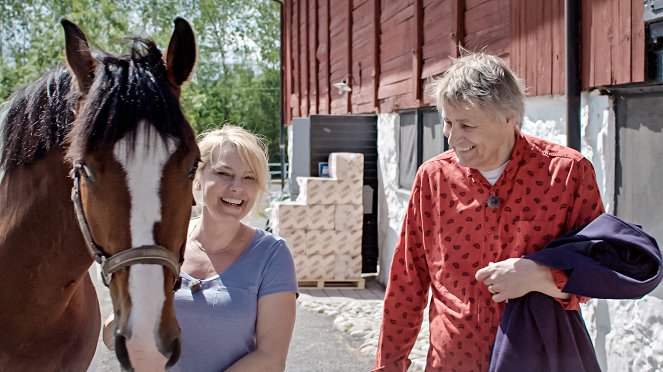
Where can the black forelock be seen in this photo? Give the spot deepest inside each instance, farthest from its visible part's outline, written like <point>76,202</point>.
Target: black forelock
<point>126,91</point>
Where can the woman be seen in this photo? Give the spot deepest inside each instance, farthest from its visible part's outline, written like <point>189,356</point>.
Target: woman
<point>236,305</point>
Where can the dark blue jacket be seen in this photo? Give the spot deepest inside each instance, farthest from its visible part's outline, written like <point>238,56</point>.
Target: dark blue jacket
<point>608,258</point>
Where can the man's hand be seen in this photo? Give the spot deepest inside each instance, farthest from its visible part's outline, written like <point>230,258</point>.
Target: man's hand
<point>515,277</point>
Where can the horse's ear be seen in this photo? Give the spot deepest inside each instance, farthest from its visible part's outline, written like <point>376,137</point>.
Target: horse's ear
<point>78,56</point>
<point>181,55</point>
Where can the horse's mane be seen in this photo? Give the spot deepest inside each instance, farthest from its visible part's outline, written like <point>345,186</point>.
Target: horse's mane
<point>126,90</point>
<point>37,118</point>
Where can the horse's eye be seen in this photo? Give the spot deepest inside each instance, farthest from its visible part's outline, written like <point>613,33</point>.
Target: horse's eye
<point>87,173</point>
<point>84,171</point>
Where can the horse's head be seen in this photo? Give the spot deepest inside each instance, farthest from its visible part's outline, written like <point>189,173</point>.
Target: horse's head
<point>134,156</point>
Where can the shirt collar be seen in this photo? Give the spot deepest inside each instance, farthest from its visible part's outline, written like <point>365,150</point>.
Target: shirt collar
<point>516,159</point>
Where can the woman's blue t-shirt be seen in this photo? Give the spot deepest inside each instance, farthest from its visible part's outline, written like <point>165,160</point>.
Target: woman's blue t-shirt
<point>218,320</point>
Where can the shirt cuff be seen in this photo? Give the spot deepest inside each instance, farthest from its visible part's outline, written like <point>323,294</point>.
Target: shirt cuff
<point>573,302</point>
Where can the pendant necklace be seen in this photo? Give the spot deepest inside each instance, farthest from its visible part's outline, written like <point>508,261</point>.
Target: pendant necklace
<point>196,284</point>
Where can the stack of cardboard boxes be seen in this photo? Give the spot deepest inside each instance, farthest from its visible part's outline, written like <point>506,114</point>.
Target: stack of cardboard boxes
<point>323,227</point>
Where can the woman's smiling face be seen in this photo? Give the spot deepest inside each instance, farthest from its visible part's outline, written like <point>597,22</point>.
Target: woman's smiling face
<point>480,139</point>
<point>229,186</point>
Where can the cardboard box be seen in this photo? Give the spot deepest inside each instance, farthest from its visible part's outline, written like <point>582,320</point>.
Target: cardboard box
<point>348,242</point>
<point>288,216</point>
<point>319,267</point>
<point>346,165</point>
<point>316,190</point>
<point>295,239</point>
<point>301,266</point>
<point>348,217</point>
<point>321,242</point>
<point>347,267</point>
<point>321,217</point>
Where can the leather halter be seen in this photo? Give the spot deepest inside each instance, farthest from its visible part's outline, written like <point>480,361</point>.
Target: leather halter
<point>146,254</point>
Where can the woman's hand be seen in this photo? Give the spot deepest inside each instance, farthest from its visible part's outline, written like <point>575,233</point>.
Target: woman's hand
<point>515,277</point>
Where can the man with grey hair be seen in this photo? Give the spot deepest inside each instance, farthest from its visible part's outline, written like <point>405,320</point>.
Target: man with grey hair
<point>474,211</point>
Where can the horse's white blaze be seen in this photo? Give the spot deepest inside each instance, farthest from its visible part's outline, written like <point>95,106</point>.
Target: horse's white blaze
<point>3,122</point>
<point>144,166</point>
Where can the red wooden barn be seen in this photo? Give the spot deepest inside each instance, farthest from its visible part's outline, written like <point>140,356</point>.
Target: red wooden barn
<point>386,51</point>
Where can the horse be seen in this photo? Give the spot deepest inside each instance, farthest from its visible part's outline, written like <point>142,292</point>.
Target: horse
<point>107,132</point>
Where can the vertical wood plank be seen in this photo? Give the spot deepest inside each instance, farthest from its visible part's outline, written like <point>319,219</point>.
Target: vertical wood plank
<point>304,97</point>
<point>296,60</point>
<point>587,46</point>
<point>417,43</point>
<point>602,32</point>
<point>286,68</point>
<point>531,56</point>
<point>327,19</point>
<point>315,94</point>
<point>558,53</point>
<point>348,67</point>
<point>637,42</point>
<point>623,42</point>
<point>518,20</point>
<point>457,26</point>
<point>613,40</point>
<point>536,31</point>
<point>544,46</point>
<point>375,75</point>
<point>524,47</point>
<point>514,37</point>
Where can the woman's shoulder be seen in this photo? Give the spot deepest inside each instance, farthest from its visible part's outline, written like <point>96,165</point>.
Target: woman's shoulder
<point>265,239</point>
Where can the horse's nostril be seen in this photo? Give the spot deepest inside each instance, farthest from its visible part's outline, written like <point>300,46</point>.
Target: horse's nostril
<point>175,349</point>
<point>122,353</point>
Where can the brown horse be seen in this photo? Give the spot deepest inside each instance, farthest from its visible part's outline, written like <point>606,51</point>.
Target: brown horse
<point>113,124</point>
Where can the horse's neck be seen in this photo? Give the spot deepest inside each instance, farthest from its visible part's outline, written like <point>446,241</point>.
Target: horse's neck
<point>49,313</point>
<point>39,234</point>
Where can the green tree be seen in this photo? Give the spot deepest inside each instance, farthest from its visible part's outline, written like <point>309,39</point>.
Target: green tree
<point>237,76</point>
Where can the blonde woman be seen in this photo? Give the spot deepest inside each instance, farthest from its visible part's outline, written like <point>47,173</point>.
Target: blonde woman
<point>236,306</point>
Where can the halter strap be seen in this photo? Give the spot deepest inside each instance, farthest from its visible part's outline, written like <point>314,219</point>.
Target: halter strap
<point>146,254</point>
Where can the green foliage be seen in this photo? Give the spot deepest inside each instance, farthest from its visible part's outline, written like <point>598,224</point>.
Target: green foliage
<point>237,76</point>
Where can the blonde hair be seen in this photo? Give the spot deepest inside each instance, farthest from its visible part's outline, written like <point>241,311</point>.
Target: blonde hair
<point>483,81</point>
<point>252,151</point>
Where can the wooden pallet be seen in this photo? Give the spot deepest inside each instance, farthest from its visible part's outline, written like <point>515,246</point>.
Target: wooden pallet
<point>332,283</point>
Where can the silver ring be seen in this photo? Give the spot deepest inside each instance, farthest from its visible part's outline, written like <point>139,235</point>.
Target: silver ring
<point>490,289</point>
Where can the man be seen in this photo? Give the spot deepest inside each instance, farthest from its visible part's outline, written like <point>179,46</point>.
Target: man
<point>474,211</point>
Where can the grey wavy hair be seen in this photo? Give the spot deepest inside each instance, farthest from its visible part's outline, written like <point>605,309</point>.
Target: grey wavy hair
<point>483,81</point>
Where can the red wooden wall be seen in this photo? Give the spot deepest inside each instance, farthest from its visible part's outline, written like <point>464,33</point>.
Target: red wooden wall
<point>614,31</point>
<point>612,43</point>
<point>387,50</point>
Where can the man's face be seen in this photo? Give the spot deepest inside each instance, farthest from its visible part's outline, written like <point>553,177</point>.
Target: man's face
<point>480,139</point>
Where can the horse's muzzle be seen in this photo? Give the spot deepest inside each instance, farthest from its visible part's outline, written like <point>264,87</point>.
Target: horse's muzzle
<point>172,352</point>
